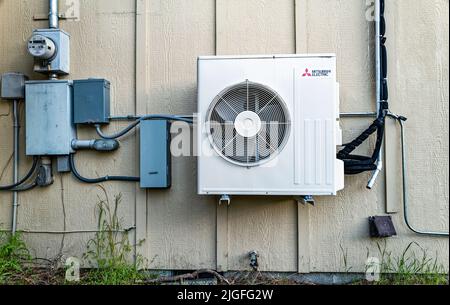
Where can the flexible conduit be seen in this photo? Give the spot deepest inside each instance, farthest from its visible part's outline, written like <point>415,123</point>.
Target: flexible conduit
<point>24,179</point>
<point>98,180</point>
<point>137,122</point>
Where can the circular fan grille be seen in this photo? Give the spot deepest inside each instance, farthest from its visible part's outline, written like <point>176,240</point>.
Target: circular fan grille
<point>248,124</point>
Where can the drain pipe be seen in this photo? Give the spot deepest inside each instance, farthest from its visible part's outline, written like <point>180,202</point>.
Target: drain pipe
<point>16,163</point>
<point>53,18</point>
<point>379,162</point>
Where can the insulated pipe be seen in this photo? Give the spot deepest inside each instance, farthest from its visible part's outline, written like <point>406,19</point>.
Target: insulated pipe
<point>379,162</point>
<point>16,163</point>
<point>53,19</point>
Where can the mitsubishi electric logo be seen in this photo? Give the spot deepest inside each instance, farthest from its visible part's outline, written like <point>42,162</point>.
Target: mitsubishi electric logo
<point>316,73</point>
<point>306,73</point>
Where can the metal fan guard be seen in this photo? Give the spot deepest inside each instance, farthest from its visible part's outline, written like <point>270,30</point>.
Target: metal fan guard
<point>275,100</point>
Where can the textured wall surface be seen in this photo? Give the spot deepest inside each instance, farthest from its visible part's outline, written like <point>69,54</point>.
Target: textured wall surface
<point>148,50</point>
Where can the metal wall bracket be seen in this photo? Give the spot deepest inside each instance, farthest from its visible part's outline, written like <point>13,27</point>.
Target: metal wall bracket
<point>61,16</point>
<point>225,199</point>
<point>307,199</point>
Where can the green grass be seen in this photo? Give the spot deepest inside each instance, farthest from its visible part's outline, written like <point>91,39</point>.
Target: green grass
<point>13,258</point>
<point>414,266</point>
<point>109,252</point>
<point>117,275</point>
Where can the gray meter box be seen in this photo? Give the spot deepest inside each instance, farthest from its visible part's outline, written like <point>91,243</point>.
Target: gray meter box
<point>49,127</point>
<point>155,154</point>
<point>60,64</point>
<point>91,101</point>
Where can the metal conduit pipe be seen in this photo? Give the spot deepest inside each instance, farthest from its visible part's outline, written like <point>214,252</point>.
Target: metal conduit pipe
<point>53,18</point>
<point>16,128</point>
<point>137,117</point>
<point>400,121</point>
<point>126,230</point>
<point>379,162</point>
<point>358,114</point>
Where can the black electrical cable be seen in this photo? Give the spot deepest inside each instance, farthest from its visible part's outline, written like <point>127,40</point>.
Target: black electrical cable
<point>77,175</point>
<point>138,121</point>
<point>24,179</point>
<point>25,188</point>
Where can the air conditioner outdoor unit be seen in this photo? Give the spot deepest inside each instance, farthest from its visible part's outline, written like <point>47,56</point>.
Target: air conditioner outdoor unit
<point>268,125</point>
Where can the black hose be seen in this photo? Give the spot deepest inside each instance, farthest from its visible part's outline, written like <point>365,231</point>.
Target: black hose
<point>24,179</point>
<point>100,179</point>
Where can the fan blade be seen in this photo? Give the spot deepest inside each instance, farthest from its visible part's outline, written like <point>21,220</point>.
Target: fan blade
<point>265,149</point>
<point>225,112</point>
<point>272,113</point>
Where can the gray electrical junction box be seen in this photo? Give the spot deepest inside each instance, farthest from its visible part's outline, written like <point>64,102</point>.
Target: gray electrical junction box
<point>155,154</point>
<point>13,86</point>
<point>49,126</point>
<point>91,101</point>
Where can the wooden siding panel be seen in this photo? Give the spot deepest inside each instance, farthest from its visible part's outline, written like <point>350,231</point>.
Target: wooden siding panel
<point>266,225</point>
<point>181,225</point>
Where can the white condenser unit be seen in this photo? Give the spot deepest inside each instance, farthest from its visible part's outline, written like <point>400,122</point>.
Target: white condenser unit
<point>268,125</point>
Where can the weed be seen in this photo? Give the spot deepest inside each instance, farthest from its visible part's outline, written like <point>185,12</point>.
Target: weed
<point>410,268</point>
<point>344,252</point>
<point>13,256</point>
<point>109,251</point>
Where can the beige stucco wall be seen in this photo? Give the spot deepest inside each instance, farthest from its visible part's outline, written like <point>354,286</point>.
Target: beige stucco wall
<point>148,50</point>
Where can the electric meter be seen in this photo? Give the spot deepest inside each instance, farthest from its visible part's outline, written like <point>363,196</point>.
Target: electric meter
<point>41,47</point>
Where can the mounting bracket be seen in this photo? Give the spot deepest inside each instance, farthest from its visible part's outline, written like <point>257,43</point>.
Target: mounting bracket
<point>225,199</point>
<point>306,199</point>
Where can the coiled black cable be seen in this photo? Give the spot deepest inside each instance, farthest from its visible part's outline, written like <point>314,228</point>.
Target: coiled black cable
<point>77,175</point>
<point>24,179</point>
